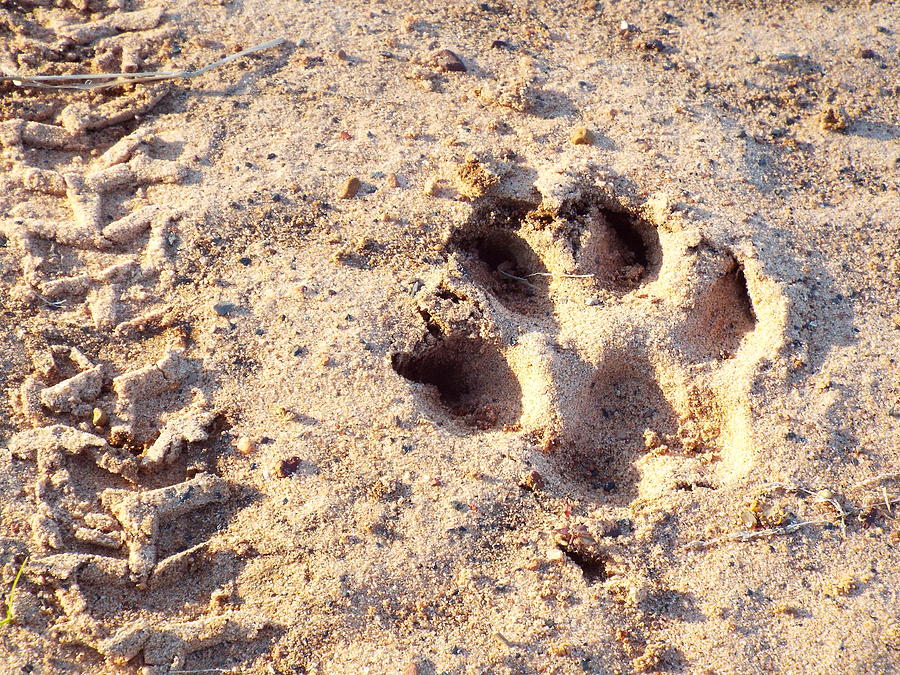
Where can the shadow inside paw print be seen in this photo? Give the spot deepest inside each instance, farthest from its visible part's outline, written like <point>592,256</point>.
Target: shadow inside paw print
<point>501,260</point>
<point>468,378</point>
<point>724,314</point>
<point>601,336</point>
<point>611,419</point>
<point>619,249</point>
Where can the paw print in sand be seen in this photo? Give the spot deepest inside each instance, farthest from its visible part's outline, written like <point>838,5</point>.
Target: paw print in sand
<point>615,337</point>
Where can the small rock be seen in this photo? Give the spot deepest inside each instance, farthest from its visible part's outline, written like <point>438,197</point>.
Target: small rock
<point>833,119</point>
<point>340,54</point>
<point>224,308</point>
<point>582,136</point>
<point>532,481</point>
<point>554,555</point>
<point>749,519</point>
<point>289,466</point>
<point>432,186</point>
<point>245,445</point>
<point>100,418</point>
<point>476,178</point>
<point>448,62</point>
<point>392,181</point>
<point>349,188</point>
<point>866,53</point>
<point>409,23</point>
<point>594,302</point>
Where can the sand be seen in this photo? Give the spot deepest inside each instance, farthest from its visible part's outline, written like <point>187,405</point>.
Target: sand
<point>451,338</point>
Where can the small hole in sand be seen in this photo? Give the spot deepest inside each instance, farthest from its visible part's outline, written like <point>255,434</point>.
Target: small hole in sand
<point>500,260</point>
<point>593,567</point>
<point>470,380</point>
<point>724,314</point>
<point>621,250</point>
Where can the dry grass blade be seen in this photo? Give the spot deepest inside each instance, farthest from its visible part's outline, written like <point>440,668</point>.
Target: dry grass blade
<point>88,81</point>
<point>12,592</point>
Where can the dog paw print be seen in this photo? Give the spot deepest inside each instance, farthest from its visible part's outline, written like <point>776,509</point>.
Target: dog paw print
<point>615,339</point>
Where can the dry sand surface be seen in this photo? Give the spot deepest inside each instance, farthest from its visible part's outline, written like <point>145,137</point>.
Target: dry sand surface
<point>458,337</point>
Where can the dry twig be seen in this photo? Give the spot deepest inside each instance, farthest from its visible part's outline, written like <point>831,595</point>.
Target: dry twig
<point>750,535</point>
<point>820,496</point>
<point>88,81</point>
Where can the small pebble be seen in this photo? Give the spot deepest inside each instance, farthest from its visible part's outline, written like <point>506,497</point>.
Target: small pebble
<point>865,53</point>
<point>349,188</point>
<point>409,23</point>
<point>289,466</point>
<point>245,445</point>
<point>532,481</point>
<point>833,119</point>
<point>749,519</point>
<point>582,136</point>
<point>340,54</point>
<point>555,555</point>
<point>432,185</point>
<point>448,62</point>
<point>392,181</point>
<point>100,418</point>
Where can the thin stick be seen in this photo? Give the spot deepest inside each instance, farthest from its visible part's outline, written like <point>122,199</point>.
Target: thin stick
<point>117,79</point>
<point>750,535</point>
<point>877,479</point>
<point>525,279</point>
<point>50,303</point>
<point>560,276</point>
<point>522,279</point>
